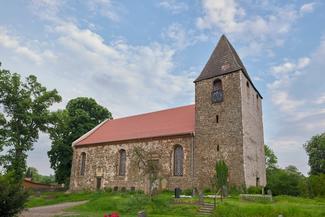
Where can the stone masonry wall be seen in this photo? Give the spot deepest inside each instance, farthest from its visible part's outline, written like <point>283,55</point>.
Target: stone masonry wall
<point>102,161</point>
<point>223,140</point>
<point>254,159</point>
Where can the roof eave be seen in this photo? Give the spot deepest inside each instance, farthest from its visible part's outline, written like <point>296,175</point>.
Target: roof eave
<point>130,139</point>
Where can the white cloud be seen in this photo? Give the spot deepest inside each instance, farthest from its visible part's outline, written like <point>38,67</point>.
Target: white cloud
<point>285,73</point>
<point>260,27</point>
<point>144,72</point>
<point>173,5</point>
<point>307,8</point>
<point>47,9</point>
<point>286,104</point>
<point>290,67</point>
<point>297,105</point>
<point>15,45</point>
<point>107,8</point>
<point>180,37</point>
<point>320,100</point>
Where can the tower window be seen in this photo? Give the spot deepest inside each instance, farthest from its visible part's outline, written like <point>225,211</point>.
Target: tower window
<point>122,164</point>
<point>217,91</point>
<point>217,118</point>
<point>257,181</point>
<point>178,160</point>
<point>218,148</point>
<point>247,84</point>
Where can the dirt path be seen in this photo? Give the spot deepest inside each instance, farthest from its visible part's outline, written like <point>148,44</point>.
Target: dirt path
<point>49,211</point>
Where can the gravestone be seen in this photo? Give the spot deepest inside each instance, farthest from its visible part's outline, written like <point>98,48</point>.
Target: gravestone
<point>142,214</point>
<point>178,192</point>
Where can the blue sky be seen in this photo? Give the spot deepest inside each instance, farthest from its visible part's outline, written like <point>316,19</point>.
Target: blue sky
<point>140,56</point>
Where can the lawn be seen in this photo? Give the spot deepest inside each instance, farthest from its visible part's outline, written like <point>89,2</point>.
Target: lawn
<point>285,205</point>
<point>128,204</point>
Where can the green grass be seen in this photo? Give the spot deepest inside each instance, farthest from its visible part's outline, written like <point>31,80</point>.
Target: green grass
<point>50,198</point>
<point>285,205</point>
<point>128,204</point>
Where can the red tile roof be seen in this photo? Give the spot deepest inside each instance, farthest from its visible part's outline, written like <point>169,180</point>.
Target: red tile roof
<point>174,121</point>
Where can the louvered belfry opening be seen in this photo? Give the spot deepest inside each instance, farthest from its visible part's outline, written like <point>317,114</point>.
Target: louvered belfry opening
<point>82,163</point>
<point>122,163</point>
<point>178,160</point>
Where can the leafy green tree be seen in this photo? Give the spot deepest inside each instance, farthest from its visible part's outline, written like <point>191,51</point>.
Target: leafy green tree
<point>80,115</point>
<point>25,112</point>
<point>12,196</point>
<point>36,177</point>
<point>270,159</point>
<point>221,176</point>
<point>31,172</point>
<point>315,185</point>
<point>315,149</point>
<point>285,181</point>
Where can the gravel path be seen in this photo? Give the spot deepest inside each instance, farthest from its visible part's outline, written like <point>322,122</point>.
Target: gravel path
<point>52,210</point>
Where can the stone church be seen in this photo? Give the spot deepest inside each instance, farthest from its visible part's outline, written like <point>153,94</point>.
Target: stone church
<point>225,123</point>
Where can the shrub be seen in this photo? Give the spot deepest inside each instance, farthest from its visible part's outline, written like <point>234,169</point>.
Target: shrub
<point>123,189</point>
<point>234,190</point>
<point>284,182</point>
<point>315,185</point>
<point>188,191</point>
<point>12,196</point>
<point>108,189</point>
<point>254,190</point>
<point>207,190</point>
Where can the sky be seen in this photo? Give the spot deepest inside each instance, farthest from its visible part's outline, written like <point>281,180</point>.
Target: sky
<point>140,56</point>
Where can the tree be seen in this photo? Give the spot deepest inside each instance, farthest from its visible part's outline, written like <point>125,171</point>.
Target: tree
<point>33,174</point>
<point>80,115</point>
<point>25,112</point>
<point>270,159</point>
<point>12,196</point>
<point>221,176</point>
<point>285,181</point>
<point>147,166</point>
<point>315,149</point>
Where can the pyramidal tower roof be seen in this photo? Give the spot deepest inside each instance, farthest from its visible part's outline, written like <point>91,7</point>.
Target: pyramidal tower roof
<point>223,60</point>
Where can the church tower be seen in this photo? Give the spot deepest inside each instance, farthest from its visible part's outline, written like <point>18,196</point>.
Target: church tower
<point>228,121</point>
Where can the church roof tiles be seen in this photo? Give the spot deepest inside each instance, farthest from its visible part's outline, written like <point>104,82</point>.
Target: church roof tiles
<point>169,122</point>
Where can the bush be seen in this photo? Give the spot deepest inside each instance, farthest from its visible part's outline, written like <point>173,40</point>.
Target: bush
<point>108,189</point>
<point>315,185</point>
<point>188,191</point>
<point>12,196</point>
<point>254,190</point>
<point>283,182</point>
<point>234,190</point>
<point>207,190</point>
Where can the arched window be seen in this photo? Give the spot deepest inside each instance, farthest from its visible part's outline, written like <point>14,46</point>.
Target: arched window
<point>217,85</point>
<point>217,92</point>
<point>82,163</point>
<point>178,160</point>
<point>122,164</point>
